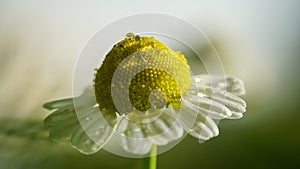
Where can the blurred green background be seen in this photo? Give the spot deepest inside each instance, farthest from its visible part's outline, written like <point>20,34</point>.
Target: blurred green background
<point>258,41</point>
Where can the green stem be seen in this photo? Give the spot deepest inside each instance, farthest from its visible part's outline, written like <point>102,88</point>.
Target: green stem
<point>153,157</point>
<point>150,162</point>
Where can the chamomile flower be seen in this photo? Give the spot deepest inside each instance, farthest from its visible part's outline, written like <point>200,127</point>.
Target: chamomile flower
<point>145,92</point>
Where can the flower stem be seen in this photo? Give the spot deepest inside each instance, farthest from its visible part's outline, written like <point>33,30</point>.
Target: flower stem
<point>153,157</point>
<point>150,162</point>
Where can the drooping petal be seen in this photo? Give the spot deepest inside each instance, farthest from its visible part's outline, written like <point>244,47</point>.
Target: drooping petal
<point>63,131</point>
<point>86,100</point>
<point>233,102</point>
<point>93,133</point>
<point>132,138</point>
<point>207,107</point>
<point>56,104</point>
<point>236,115</point>
<point>165,128</point>
<point>230,84</point>
<point>72,124</point>
<point>214,101</point>
<point>61,116</point>
<point>62,122</point>
<point>204,128</point>
<point>187,116</point>
<point>82,142</point>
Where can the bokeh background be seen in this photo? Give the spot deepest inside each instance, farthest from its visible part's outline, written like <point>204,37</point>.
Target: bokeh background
<point>258,41</point>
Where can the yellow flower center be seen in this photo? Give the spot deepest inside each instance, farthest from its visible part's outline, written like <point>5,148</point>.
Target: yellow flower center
<point>157,75</point>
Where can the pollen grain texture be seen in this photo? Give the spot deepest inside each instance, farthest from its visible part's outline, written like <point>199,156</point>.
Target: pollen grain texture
<point>162,74</point>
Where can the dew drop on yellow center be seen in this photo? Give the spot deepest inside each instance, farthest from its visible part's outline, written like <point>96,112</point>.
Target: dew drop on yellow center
<point>164,76</point>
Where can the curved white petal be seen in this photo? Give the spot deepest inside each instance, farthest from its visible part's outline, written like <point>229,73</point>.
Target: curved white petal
<point>82,142</point>
<point>236,115</point>
<point>214,101</point>
<point>63,132</point>
<point>62,123</point>
<point>61,116</point>
<point>132,138</point>
<point>196,123</point>
<point>56,104</point>
<point>65,126</point>
<point>93,133</point>
<point>204,128</point>
<point>207,107</point>
<point>229,84</point>
<point>187,116</point>
<point>165,128</point>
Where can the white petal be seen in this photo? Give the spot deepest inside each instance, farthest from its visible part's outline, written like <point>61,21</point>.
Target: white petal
<point>82,142</point>
<point>61,116</point>
<point>231,100</point>
<point>65,125</point>
<point>229,84</point>
<point>99,132</point>
<point>207,107</point>
<point>204,128</point>
<point>165,128</point>
<point>187,117</point>
<point>62,122</point>
<point>214,102</point>
<point>236,115</point>
<point>132,138</point>
<point>63,132</point>
<point>56,104</point>
<point>212,125</point>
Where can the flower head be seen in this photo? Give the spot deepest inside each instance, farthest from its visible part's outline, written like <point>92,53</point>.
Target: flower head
<point>145,92</point>
<point>159,67</point>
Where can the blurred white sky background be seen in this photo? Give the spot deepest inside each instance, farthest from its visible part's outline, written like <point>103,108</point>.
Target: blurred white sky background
<point>40,41</point>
